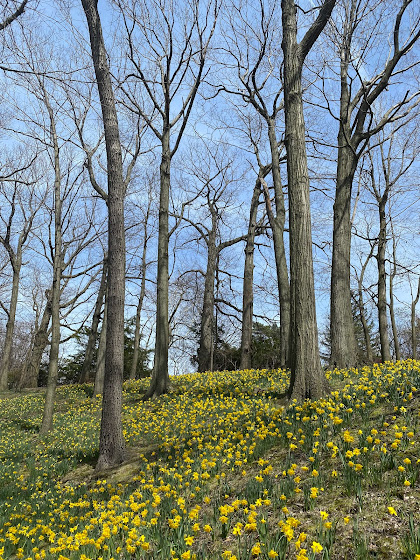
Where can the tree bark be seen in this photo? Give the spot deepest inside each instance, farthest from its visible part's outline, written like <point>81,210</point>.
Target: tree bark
<point>140,305</point>
<point>30,372</point>
<point>277,224</point>
<point>352,141</point>
<point>160,377</point>
<point>307,378</point>
<point>205,349</point>
<point>382,304</point>
<point>361,306</point>
<point>413,322</point>
<point>391,298</point>
<point>47,418</point>
<point>98,388</point>
<point>111,440</point>
<point>248,283</point>
<point>343,337</point>
<point>93,335</point>
<point>10,326</point>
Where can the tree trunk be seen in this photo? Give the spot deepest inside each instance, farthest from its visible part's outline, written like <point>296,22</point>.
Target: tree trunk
<point>277,224</point>
<point>207,327</point>
<point>10,327</point>
<point>343,337</point>
<point>47,418</point>
<point>111,441</point>
<point>93,335</point>
<point>307,378</point>
<point>160,378</point>
<point>391,296</point>
<point>413,322</point>
<point>248,284</point>
<point>139,308</point>
<point>98,388</point>
<point>361,305</point>
<point>382,305</point>
<point>392,315</point>
<point>30,372</point>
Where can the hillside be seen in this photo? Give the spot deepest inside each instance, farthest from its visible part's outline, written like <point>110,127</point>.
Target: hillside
<point>219,468</point>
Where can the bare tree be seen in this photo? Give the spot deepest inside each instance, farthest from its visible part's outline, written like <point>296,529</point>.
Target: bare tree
<point>359,121</point>
<point>307,378</point>
<point>24,204</point>
<point>111,442</point>
<point>30,372</point>
<point>253,58</point>
<point>248,283</point>
<point>177,37</point>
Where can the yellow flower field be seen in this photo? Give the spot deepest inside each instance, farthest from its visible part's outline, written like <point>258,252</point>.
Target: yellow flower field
<point>219,469</point>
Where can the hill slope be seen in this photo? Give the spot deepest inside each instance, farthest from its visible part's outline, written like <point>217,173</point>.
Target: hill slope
<point>219,468</point>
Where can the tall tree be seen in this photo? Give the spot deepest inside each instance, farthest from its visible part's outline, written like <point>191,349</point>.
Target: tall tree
<point>177,37</point>
<point>111,441</point>
<point>357,124</point>
<point>57,256</point>
<point>307,378</point>
<point>252,58</point>
<point>248,283</point>
<point>24,209</point>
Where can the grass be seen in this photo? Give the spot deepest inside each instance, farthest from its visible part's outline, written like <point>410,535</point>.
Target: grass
<point>219,468</point>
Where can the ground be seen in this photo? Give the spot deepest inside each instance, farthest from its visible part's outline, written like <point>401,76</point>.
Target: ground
<point>219,468</point>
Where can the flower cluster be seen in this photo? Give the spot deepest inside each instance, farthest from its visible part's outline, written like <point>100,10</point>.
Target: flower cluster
<point>219,468</point>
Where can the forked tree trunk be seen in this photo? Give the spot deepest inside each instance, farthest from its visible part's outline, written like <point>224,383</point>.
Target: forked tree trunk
<point>10,326</point>
<point>111,440</point>
<point>307,378</point>
<point>85,374</point>
<point>30,371</point>
<point>353,137</point>
<point>205,349</point>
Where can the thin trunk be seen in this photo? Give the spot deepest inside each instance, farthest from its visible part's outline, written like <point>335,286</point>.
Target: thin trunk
<point>30,372</point>
<point>160,378</point>
<point>277,224</point>
<point>307,378</point>
<point>85,374</point>
<point>10,327</point>
<point>98,388</point>
<point>391,299</point>
<point>139,308</point>
<point>111,440</point>
<point>248,284</point>
<point>382,304</point>
<point>413,322</point>
<point>47,419</point>
<point>361,305</point>
<point>205,357</point>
